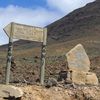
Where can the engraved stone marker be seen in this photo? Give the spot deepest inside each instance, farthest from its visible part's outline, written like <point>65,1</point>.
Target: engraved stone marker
<point>79,66</point>
<point>77,59</point>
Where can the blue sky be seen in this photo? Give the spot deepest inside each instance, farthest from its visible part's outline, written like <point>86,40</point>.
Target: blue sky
<point>23,3</point>
<point>35,12</point>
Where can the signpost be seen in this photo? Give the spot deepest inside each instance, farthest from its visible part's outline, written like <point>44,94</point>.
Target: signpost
<point>10,47</point>
<point>25,32</point>
<point>43,55</point>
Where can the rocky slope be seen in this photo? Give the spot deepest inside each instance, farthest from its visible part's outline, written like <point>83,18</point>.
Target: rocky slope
<point>83,22</point>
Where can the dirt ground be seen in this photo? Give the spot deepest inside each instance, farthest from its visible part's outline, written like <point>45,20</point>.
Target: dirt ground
<point>61,93</point>
<point>25,72</point>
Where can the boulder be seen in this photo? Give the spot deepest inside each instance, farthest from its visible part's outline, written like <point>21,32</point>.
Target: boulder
<point>80,77</point>
<point>7,91</point>
<point>78,59</point>
<point>91,78</point>
<point>79,66</point>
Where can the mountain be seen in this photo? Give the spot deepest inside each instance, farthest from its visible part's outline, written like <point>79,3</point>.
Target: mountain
<point>83,22</point>
<point>80,26</point>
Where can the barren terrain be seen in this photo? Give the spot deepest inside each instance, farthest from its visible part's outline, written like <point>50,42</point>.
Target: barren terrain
<point>80,26</point>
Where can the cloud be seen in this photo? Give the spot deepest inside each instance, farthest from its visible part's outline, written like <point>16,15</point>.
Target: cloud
<point>66,6</point>
<point>39,16</point>
<point>35,17</point>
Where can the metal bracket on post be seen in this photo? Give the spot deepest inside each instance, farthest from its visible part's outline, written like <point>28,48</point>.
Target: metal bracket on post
<point>9,56</point>
<point>43,56</point>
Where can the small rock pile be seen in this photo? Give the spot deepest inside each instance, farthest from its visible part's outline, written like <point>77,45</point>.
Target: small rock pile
<point>79,66</point>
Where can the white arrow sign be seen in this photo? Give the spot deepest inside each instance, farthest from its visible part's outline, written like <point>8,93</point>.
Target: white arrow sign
<point>26,32</point>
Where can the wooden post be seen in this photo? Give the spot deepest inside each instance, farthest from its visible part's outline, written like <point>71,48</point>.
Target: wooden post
<point>43,56</point>
<point>9,56</point>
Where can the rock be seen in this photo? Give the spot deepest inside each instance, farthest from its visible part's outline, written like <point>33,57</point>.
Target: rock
<point>51,82</point>
<point>80,77</point>
<point>62,75</point>
<point>78,59</point>
<point>91,78</point>
<point>7,91</point>
<point>79,66</point>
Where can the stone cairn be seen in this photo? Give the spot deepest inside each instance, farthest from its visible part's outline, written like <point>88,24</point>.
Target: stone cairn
<point>79,66</point>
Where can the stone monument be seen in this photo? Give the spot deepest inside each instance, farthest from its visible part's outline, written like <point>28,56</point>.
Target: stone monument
<point>79,66</point>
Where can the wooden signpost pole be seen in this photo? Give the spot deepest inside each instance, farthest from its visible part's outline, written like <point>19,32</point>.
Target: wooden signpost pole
<point>9,56</point>
<point>43,56</point>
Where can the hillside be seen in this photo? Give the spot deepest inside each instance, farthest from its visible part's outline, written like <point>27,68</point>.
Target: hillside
<point>80,26</point>
<point>83,22</point>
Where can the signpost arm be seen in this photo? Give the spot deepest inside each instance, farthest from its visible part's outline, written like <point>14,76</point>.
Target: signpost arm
<point>43,56</point>
<point>9,56</point>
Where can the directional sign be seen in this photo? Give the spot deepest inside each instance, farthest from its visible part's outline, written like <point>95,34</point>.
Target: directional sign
<point>25,32</point>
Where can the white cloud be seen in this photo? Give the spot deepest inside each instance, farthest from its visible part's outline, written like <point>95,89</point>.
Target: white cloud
<point>66,6</point>
<point>36,17</point>
<point>39,16</point>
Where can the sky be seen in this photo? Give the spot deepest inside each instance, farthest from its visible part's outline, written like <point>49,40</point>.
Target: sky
<point>35,12</point>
